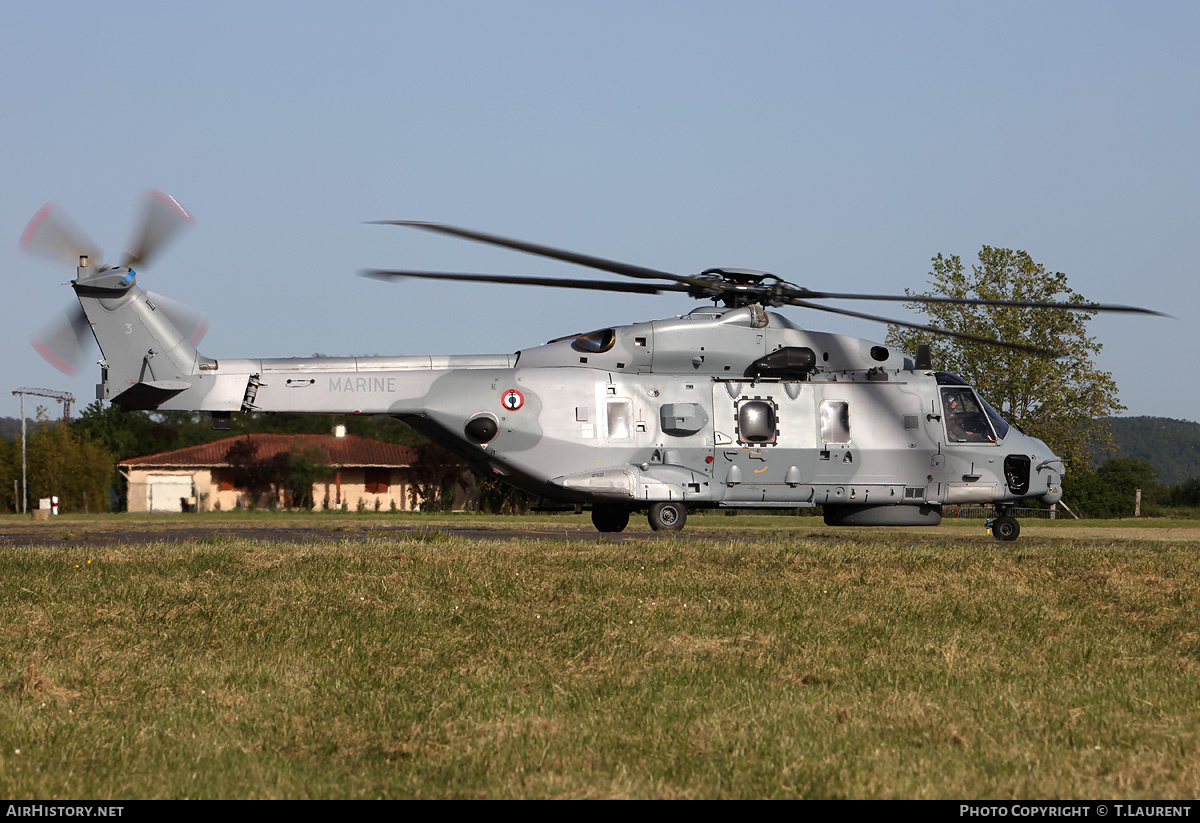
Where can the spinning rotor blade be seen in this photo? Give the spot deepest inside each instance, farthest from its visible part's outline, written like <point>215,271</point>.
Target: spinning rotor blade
<point>932,329</point>
<point>736,287</point>
<point>51,235</point>
<point>983,301</point>
<point>162,218</point>
<point>637,288</point>
<point>591,262</point>
<point>191,323</point>
<point>64,342</point>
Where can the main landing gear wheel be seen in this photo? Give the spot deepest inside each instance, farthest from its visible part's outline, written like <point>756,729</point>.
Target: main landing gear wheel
<point>1006,528</point>
<point>667,517</point>
<point>610,519</point>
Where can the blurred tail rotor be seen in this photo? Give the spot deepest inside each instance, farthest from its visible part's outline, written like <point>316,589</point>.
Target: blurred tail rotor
<point>66,341</point>
<point>50,234</point>
<point>162,219</point>
<point>192,323</point>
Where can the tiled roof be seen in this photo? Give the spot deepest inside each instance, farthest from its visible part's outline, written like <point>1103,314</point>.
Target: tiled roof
<point>332,451</point>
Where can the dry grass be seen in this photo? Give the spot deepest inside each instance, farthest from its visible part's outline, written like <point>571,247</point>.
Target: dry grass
<point>813,664</point>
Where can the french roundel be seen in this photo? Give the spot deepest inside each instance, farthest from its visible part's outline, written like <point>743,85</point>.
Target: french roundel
<point>512,400</point>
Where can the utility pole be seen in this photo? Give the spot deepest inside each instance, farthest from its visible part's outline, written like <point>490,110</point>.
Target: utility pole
<point>66,398</point>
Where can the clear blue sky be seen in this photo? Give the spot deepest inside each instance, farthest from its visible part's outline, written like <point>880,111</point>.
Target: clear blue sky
<point>839,145</point>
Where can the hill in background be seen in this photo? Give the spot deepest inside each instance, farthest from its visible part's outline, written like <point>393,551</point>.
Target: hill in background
<point>1170,446</point>
<point>10,427</point>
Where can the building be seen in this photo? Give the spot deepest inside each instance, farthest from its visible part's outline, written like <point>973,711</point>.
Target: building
<point>362,474</point>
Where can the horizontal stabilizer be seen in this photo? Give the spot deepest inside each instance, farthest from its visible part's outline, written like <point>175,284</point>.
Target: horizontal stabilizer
<point>150,395</point>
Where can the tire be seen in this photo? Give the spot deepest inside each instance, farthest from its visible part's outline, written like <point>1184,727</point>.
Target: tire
<point>1006,528</point>
<point>667,517</point>
<point>610,519</point>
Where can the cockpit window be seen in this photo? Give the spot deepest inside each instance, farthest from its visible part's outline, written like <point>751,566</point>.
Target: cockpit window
<point>966,420</point>
<point>998,422</point>
<point>595,341</point>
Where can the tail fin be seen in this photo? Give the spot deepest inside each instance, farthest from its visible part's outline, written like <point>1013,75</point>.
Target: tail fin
<point>147,359</point>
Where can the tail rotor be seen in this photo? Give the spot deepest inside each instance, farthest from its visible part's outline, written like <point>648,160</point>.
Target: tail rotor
<point>66,341</point>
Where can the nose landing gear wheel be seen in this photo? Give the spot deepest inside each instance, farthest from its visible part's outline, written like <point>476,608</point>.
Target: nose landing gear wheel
<point>1006,528</point>
<point>667,517</point>
<point>610,519</point>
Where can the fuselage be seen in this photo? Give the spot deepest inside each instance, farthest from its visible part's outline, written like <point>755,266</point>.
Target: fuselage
<point>718,407</point>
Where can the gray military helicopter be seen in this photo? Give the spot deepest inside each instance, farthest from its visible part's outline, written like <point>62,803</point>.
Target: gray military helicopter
<point>729,405</point>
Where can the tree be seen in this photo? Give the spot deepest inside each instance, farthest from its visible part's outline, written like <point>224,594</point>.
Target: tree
<point>1064,401</point>
<point>74,468</point>
<point>259,476</point>
<point>10,475</point>
<point>436,474</point>
<point>1111,490</point>
<point>498,497</point>
<point>306,468</point>
<point>1185,495</point>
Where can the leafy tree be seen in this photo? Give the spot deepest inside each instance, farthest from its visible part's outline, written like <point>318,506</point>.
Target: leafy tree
<point>305,469</point>
<point>10,472</point>
<point>1111,490</point>
<point>282,477</point>
<point>498,497</point>
<point>74,468</point>
<point>1064,401</point>
<point>1185,495</point>
<point>257,475</point>
<point>136,433</point>
<point>436,474</point>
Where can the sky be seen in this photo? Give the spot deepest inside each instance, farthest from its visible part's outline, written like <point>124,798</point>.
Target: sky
<point>837,145</point>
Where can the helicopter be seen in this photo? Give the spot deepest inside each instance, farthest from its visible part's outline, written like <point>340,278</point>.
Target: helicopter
<point>729,405</point>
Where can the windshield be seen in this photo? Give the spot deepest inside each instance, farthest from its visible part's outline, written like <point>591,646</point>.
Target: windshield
<point>1000,424</point>
<point>966,420</point>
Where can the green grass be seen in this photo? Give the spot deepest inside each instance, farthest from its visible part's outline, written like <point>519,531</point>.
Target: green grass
<point>812,663</point>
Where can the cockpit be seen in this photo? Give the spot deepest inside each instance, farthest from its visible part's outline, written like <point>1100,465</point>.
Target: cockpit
<point>967,416</point>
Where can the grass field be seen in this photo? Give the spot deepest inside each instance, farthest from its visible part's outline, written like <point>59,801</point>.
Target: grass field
<point>775,658</point>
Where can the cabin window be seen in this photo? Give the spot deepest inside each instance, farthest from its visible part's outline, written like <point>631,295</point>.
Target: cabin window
<point>618,414</point>
<point>966,420</point>
<point>756,422</point>
<point>835,421</point>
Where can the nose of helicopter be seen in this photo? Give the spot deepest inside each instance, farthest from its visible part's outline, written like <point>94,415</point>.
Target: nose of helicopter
<point>1048,470</point>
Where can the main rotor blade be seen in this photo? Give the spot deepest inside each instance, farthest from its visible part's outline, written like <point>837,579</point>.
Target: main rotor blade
<point>162,218</point>
<point>51,235</point>
<point>555,282</point>
<point>982,301</point>
<point>613,266</point>
<point>932,329</point>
